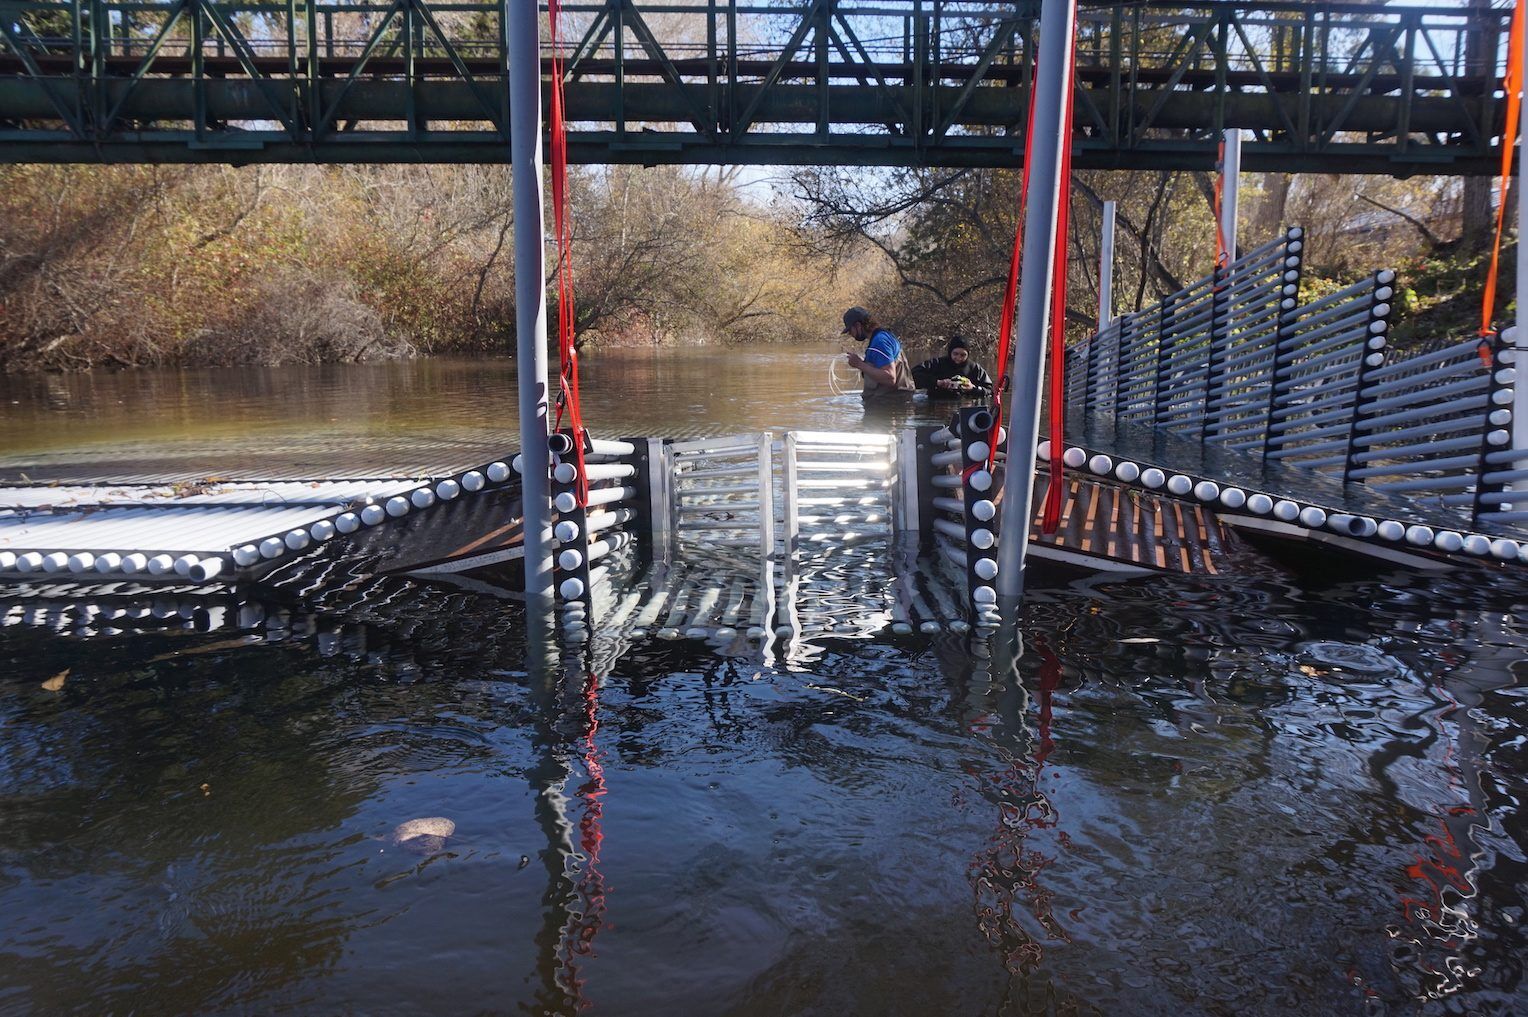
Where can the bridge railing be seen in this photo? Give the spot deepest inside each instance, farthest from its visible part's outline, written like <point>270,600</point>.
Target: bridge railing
<point>1328,86</point>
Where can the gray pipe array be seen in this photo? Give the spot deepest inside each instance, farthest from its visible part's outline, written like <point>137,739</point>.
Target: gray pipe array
<point>589,535</point>
<point>1234,359</point>
<point>963,526</point>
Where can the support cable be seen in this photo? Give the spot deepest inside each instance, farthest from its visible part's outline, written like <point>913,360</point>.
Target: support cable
<point>568,395</point>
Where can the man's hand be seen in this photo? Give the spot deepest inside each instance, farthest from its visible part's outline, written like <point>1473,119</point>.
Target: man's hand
<point>945,383</point>
<point>855,360</point>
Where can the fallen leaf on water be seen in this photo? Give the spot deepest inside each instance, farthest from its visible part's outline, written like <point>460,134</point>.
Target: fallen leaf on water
<point>207,790</point>
<point>56,683</point>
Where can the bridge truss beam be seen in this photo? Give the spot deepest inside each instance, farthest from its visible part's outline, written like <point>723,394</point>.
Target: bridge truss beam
<point>1319,87</point>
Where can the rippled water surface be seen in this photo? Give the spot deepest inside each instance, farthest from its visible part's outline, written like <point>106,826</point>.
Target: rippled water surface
<point>1283,794</point>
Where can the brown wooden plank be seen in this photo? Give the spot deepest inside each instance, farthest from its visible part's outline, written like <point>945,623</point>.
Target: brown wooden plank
<point>1136,538</point>
<point>1088,525</point>
<point>1182,543</point>
<point>1113,546</point>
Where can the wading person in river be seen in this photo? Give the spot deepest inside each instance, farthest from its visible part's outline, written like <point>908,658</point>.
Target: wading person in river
<point>954,375</point>
<point>883,366</point>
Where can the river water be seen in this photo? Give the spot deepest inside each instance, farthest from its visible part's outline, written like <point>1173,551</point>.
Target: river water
<point>1294,792</point>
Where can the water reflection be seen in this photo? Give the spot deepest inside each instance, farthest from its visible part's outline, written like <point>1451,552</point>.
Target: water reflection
<point>1206,796</point>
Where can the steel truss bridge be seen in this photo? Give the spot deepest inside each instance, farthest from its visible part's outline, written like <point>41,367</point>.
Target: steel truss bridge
<point>1321,87</point>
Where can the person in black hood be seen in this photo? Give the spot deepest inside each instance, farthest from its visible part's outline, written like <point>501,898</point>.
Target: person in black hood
<point>954,375</point>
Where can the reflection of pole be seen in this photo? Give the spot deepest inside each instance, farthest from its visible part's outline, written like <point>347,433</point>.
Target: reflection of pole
<point>1042,202</point>
<point>1230,176</point>
<point>521,23</point>
<point>1106,269</point>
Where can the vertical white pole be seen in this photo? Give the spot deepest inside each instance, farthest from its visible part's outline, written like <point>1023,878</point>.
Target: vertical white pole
<point>1106,269</point>
<point>1520,337</point>
<point>1230,175</point>
<point>524,47</point>
<point>1043,201</point>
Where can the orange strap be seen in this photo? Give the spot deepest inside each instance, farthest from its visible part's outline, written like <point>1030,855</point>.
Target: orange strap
<point>1512,85</point>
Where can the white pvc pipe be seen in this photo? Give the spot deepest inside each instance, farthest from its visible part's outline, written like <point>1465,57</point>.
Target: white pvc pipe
<point>1230,175</point>
<point>135,562</point>
<point>206,569</point>
<point>1106,268</point>
<point>108,562</point>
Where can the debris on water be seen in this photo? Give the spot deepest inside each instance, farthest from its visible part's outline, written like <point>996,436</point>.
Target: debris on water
<point>1356,657</point>
<point>206,790</point>
<point>1141,639</point>
<point>423,836</point>
<point>525,860</point>
<point>56,683</point>
<point>837,692</point>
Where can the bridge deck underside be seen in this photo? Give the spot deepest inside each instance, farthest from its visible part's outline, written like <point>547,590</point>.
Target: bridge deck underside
<point>1322,87</point>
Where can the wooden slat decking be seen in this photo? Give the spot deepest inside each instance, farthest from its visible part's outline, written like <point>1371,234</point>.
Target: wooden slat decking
<point>1132,528</point>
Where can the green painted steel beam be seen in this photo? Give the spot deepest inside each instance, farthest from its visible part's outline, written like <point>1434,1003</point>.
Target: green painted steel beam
<point>1321,87</point>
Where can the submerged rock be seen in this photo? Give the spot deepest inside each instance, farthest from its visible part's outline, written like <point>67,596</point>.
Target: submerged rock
<point>423,836</point>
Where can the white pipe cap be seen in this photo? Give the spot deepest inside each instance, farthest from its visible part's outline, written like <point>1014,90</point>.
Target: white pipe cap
<point>498,472</point>
<point>1074,457</point>
<point>1312,517</point>
<point>1180,485</point>
<point>982,539</point>
<point>397,506</point>
<point>1260,503</point>
<point>321,530</point>
<point>1153,477</point>
<point>1286,511</point>
<point>447,489</point>
<point>298,539</point>
<point>981,480</point>
<point>983,510</point>
<point>472,480</point>
<point>1128,472</point>
<point>371,515</point>
<point>422,497</point>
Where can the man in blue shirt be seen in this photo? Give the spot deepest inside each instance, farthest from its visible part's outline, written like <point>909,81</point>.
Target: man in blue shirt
<point>883,366</point>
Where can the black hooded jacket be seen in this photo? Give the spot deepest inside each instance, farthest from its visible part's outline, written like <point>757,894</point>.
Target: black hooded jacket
<point>936,369</point>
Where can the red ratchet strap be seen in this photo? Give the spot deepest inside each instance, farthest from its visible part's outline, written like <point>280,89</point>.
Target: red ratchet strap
<point>1050,518</point>
<point>567,398</point>
<point>1512,85</point>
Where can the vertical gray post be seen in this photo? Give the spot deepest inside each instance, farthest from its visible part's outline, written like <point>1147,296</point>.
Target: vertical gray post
<point>1230,175</point>
<point>522,30</point>
<point>1106,269</point>
<point>1520,334</point>
<point>1043,200</point>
